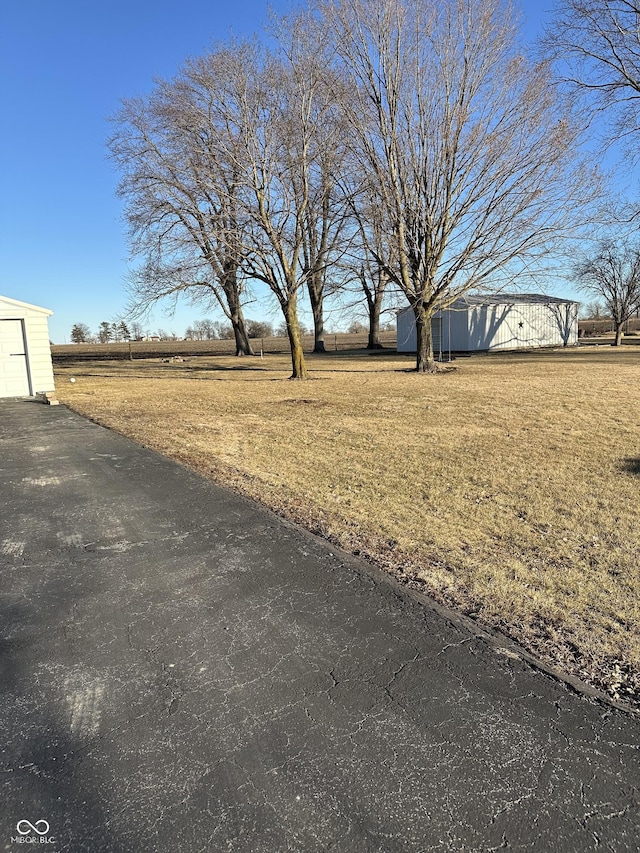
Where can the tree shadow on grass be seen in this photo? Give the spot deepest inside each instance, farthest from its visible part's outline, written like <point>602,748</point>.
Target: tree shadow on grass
<point>631,465</point>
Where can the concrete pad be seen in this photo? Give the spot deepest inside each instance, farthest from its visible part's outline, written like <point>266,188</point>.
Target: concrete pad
<point>181,670</point>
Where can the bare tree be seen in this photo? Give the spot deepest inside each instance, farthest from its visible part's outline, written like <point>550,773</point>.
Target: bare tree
<point>137,332</point>
<point>594,310</point>
<point>223,331</point>
<point>281,110</point>
<point>370,257</point>
<point>612,275</point>
<point>202,330</point>
<point>597,47</point>
<point>470,147</point>
<point>180,184</point>
<point>319,176</point>
<point>81,334</point>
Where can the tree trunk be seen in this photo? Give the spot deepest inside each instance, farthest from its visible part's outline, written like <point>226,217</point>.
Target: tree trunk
<point>298,364</point>
<point>243,344</point>
<point>425,362</point>
<point>230,287</point>
<point>316,297</point>
<point>619,333</point>
<point>374,322</point>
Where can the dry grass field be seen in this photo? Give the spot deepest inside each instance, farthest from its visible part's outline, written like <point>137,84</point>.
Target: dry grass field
<point>507,488</point>
<point>153,349</point>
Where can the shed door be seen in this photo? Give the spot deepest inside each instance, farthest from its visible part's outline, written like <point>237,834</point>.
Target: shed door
<point>14,376</point>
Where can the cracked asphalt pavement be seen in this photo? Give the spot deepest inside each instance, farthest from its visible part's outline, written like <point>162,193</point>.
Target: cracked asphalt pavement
<point>182,671</point>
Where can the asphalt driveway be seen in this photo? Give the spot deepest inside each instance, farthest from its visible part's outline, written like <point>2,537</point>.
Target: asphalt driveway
<point>181,671</point>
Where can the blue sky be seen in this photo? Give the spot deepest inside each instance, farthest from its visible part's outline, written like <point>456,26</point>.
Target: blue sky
<point>64,67</point>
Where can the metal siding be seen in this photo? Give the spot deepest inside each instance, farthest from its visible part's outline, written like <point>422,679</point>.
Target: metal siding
<point>479,327</point>
<point>460,331</point>
<point>535,332</point>
<point>406,330</point>
<point>503,330</point>
<point>407,338</point>
<point>454,330</point>
<point>436,336</point>
<point>563,319</point>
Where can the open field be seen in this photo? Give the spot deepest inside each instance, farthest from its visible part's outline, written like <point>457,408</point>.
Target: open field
<point>597,332</point>
<point>605,327</point>
<point>508,488</point>
<point>152,349</point>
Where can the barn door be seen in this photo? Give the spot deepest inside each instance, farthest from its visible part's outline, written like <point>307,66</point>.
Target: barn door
<point>14,375</point>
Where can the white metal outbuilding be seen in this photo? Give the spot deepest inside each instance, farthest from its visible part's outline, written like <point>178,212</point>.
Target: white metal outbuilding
<point>506,321</point>
<point>25,352</point>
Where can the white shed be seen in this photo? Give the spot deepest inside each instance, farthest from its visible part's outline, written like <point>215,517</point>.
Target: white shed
<point>25,352</point>
<point>506,321</point>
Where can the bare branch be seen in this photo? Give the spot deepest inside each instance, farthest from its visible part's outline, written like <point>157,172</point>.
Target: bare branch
<point>470,148</point>
<point>596,47</point>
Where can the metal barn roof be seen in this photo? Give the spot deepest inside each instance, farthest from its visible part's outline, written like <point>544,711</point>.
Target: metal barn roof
<point>512,299</point>
<point>469,300</point>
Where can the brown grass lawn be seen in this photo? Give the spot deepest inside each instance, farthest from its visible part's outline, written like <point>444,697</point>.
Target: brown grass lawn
<point>508,487</point>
